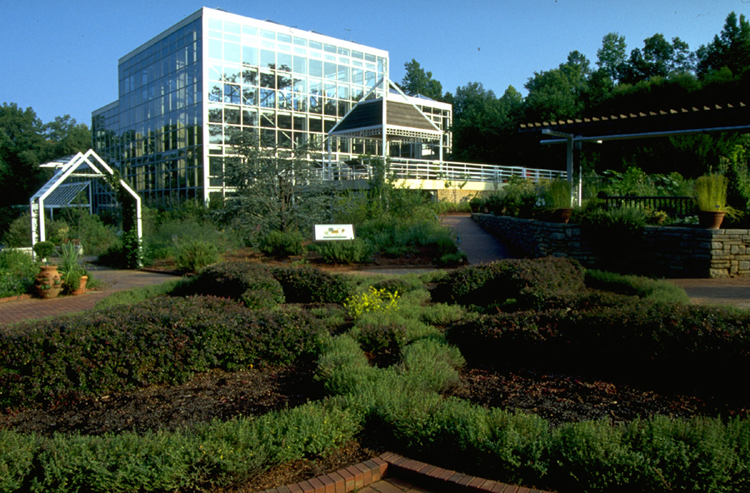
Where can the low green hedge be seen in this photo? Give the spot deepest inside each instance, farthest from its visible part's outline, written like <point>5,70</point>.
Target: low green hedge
<point>530,282</point>
<point>310,285</point>
<point>160,341</point>
<point>679,346</point>
<point>201,459</point>
<point>402,409</point>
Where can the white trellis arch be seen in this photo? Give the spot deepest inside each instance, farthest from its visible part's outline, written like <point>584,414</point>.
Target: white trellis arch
<point>73,175</point>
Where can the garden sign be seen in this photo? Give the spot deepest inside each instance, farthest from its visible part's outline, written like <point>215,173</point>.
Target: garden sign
<point>324,232</point>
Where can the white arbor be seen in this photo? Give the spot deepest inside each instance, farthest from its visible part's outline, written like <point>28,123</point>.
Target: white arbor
<point>74,175</point>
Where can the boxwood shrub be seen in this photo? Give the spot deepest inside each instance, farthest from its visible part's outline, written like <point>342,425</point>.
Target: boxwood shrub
<point>160,341</point>
<point>234,279</point>
<point>530,282</point>
<point>310,285</point>
<point>671,345</point>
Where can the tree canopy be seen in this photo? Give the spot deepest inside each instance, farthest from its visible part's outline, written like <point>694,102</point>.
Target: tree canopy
<point>417,81</point>
<point>25,143</point>
<point>662,73</point>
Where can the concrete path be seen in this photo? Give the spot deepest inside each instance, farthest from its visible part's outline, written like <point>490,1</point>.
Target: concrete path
<point>479,246</point>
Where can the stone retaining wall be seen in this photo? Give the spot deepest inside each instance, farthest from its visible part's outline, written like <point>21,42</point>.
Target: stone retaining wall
<point>663,251</point>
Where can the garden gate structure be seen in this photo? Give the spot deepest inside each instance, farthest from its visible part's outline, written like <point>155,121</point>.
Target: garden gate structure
<point>76,175</point>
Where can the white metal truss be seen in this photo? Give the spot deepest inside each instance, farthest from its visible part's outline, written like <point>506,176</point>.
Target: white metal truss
<point>385,130</point>
<point>57,193</point>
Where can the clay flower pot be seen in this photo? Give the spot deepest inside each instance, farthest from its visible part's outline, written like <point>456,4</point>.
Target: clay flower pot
<point>81,287</point>
<point>710,219</point>
<point>48,283</point>
<point>562,215</point>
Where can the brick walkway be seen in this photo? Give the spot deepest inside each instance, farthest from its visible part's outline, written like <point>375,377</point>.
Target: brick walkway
<point>392,473</point>
<point>30,308</point>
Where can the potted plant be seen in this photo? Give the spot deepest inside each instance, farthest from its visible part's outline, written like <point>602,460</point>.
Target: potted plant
<point>48,282</point>
<point>711,199</point>
<point>74,276</point>
<point>559,194</point>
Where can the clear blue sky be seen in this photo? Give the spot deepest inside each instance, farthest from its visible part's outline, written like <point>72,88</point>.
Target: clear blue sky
<point>60,57</point>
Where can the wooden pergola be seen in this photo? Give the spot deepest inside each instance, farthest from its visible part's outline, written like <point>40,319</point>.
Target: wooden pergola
<point>729,116</point>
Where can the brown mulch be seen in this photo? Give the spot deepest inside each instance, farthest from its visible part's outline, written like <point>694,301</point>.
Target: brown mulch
<point>213,395</point>
<point>569,398</point>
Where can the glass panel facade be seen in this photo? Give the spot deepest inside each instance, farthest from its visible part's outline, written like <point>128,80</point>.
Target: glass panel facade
<point>288,86</point>
<point>154,133</point>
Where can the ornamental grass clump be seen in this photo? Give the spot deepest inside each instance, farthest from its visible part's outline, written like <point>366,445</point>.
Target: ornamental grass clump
<point>372,301</point>
<point>711,193</point>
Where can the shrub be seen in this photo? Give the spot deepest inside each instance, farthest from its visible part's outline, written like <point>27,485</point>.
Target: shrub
<point>309,285</point>
<point>452,259</point>
<point>281,244</point>
<point>372,301</point>
<point>344,251</point>
<point>193,255</point>
<point>558,194</point>
<point>533,283</point>
<point>642,287</point>
<point>400,284</point>
<point>17,454</point>
<point>614,234</point>
<point>44,249</point>
<point>233,279</point>
<point>17,271</point>
<point>160,341</point>
<point>382,341</point>
<point>518,198</point>
<point>665,345</point>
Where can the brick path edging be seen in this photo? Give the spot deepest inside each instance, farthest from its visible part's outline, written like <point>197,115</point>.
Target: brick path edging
<point>423,475</point>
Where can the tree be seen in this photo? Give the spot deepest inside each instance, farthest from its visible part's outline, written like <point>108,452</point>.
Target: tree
<point>730,49</point>
<point>417,81</point>
<point>558,93</point>
<point>66,136</point>
<point>276,189</point>
<point>484,126</point>
<point>611,57</point>
<point>659,58</point>
<point>22,148</point>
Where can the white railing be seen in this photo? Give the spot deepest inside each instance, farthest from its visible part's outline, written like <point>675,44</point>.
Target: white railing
<point>418,169</point>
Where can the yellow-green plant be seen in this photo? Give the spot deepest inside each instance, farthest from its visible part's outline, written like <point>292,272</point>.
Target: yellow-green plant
<point>373,300</point>
<point>711,193</point>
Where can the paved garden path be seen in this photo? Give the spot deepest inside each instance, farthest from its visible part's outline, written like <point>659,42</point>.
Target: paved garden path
<point>479,246</point>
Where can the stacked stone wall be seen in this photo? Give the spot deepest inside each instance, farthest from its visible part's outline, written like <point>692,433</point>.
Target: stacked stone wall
<point>671,252</point>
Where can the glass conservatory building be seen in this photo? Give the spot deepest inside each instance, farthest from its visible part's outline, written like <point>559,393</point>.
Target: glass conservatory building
<point>182,91</point>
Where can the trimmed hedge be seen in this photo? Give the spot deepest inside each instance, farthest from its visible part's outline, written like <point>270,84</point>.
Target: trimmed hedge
<point>310,285</point>
<point>406,414</point>
<point>205,458</point>
<point>674,345</point>
<point>160,341</point>
<point>232,279</point>
<point>532,283</point>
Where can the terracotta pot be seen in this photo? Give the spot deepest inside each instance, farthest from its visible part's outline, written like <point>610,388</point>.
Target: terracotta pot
<point>710,219</point>
<point>48,283</point>
<point>81,287</point>
<point>562,215</point>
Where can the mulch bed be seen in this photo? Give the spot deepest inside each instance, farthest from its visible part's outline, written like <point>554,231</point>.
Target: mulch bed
<point>221,395</point>
<point>571,398</point>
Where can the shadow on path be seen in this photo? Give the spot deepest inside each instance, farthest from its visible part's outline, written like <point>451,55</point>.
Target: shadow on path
<point>479,246</point>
